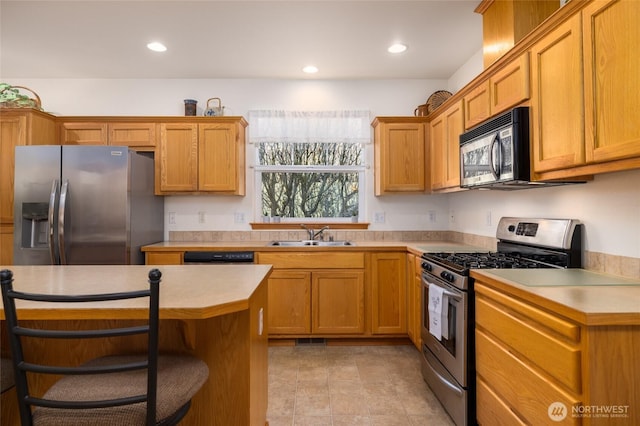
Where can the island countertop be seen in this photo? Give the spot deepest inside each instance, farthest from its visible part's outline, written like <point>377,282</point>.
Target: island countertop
<point>186,292</point>
<point>213,312</point>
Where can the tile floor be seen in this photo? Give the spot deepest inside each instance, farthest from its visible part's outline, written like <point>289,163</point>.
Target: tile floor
<point>350,385</point>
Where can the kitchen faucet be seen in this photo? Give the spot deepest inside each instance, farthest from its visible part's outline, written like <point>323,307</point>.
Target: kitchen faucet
<point>312,233</point>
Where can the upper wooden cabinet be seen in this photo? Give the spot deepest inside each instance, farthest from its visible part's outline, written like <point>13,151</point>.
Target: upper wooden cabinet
<point>444,140</point>
<point>585,100</point>
<point>506,22</point>
<point>202,157</point>
<point>137,135</point>
<point>611,36</point>
<point>508,87</point>
<point>140,136</point>
<point>400,155</point>
<point>83,133</point>
<point>557,103</point>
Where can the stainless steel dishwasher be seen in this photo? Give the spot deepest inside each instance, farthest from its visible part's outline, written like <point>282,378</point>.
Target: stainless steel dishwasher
<point>218,257</point>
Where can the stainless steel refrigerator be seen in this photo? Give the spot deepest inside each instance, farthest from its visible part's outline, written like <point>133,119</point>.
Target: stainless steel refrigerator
<point>83,205</point>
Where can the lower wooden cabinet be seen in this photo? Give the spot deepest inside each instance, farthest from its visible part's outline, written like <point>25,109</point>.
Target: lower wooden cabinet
<point>414,294</point>
<point>289,302</point>
<point>337,300</point>
<point>315,294</point>
<point>388,293</point>
<point>530,360</point>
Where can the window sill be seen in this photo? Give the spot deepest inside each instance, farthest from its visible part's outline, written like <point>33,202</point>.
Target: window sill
<point>296,225</point>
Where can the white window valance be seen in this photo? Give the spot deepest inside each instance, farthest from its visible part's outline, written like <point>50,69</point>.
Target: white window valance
<point>352,126</point>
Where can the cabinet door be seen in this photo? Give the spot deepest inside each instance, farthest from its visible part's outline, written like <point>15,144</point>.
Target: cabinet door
<point>510,85</point>
<point>218,158</point>
<point>12,133</point>
<point>178,157</point>
<point>83,134</point>
<point>412,330</point>
<point>388,293</point>
<point>454,117</point>
<point>400,157</point>
<point>437,142</point>
<point>6,244</point>
<point>337,299</point>
<point>445,131</point>
<point>477,105</point>
<point>141,136</point>
<point>611,84</point>
<point>557,106</point>
<point>289,302</point>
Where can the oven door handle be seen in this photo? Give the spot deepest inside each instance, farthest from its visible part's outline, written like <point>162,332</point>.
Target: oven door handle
<point>444,290</point>
<point>452,295</point>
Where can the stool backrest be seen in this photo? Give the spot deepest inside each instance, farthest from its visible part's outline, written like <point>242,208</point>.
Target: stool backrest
<point>22,366</point>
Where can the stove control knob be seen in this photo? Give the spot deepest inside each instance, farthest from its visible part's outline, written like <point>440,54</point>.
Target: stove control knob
<point>448,276</point>
<point>426,266</point>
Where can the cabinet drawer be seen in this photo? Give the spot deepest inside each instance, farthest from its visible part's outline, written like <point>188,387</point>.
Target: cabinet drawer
<point>308,261</point>
<point>519,385</point>
<point>531,341</point>
<point>492,410</point>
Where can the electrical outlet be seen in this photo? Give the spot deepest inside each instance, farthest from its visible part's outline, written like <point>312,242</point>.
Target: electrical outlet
<point>201,217</point>
<point>432,216</point>
<point>379,217</point>
<point>488,218</point>
<point>238,217</point>
<point>172,218</point>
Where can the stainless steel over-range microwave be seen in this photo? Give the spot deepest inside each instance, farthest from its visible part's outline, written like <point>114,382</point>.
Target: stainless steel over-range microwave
<point>496,152</point>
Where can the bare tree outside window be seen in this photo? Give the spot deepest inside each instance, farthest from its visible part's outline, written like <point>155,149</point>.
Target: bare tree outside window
<point>310,180</point>
<point>310,164</point>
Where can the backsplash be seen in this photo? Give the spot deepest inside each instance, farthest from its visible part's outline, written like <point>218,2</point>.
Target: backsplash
<point>598,262</point>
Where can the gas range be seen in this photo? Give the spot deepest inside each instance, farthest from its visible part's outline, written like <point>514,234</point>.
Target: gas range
<point>448,306</point>
<point>526,243</point>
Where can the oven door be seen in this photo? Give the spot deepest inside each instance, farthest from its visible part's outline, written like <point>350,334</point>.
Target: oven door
<point>452,350</point>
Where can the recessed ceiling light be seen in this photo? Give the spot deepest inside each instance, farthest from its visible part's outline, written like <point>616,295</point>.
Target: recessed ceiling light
<point>310,69</point>
<point>156,46</point>
<point>397,48</point>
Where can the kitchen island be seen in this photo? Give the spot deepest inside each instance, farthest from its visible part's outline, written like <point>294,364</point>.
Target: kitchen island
<point>216,313</point>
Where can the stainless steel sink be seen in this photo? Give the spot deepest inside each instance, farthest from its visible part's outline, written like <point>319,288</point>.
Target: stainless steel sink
<point>311,243</point>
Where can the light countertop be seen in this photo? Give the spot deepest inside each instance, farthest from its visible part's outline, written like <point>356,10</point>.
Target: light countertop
<point>186,292</point>
<point>590,298</point>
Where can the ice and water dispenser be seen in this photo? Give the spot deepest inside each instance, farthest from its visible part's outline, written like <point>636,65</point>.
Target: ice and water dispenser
<point>35,225</point>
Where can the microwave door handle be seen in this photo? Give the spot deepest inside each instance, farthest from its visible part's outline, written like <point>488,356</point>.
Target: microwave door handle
<point>492,166</point>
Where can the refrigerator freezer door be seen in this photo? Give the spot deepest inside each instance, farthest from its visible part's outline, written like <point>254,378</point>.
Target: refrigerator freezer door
<point>95,219</point>
<point>37,170</point>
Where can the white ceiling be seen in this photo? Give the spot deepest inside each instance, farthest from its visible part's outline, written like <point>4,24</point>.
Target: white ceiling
<point>236,39</point>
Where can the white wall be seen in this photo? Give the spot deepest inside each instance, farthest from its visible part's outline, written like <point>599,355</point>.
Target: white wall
<point>609,206</point>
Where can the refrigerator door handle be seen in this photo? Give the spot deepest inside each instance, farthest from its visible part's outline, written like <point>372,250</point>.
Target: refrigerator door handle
<point>53,196</point>
<point>61,221</point>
